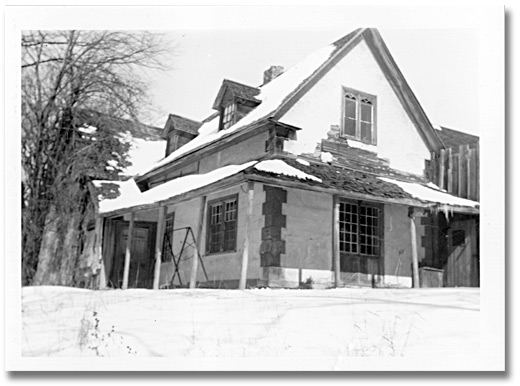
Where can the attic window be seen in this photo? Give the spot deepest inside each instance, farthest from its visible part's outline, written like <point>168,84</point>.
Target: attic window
<point>229,116</point>
<point>359,116</point>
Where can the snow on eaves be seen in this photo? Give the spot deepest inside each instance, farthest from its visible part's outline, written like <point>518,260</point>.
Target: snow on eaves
<point>130,195</point>
<point>125,191</point>
<point>272,96</point>
<point>428,193</point>
<point>142,153</point>
<point>129,198</point>
<point>277,166</point>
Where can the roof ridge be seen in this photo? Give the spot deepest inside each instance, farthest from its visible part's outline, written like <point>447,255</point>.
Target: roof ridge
<point>239,83</point>
<point>180,116</point>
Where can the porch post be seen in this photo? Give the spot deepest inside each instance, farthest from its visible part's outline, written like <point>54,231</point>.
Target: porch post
<point>158,246</point>
<point>415,263</point>
<point>126,270</point>
<point>195,262</point>
<point>335,244</point>
<point>245,250</point>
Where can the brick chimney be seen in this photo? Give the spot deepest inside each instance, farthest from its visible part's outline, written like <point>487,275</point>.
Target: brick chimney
<point>272,73</point>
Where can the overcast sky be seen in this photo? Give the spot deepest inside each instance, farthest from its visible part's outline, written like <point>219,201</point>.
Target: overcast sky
<point>452,57</point>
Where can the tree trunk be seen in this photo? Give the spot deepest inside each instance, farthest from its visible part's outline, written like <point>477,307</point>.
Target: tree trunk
<point>59,251</point>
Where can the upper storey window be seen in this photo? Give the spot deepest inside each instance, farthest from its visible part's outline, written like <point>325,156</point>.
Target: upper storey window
<point>229,116</point>
<point>359,116</point>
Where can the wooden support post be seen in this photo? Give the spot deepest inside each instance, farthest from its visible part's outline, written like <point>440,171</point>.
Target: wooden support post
<point>415,261</point>
<point>335,244</point>
<point>442,169</point>
<point>98,252</point>
<point>195,262</point>
<point>245,249</point>
<point>158,246</point>
<point>128,251</point>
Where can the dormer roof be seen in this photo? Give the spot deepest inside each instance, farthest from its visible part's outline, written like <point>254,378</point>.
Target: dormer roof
<point>236,90</point>
<point>186,125</point>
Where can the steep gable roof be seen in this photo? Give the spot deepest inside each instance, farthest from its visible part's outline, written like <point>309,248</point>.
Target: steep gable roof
<point>279,95</point>
<point>454,138</point>
<point>238,90</point>
<point>177,122</point>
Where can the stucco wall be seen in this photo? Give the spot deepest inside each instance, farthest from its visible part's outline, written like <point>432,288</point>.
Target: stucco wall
<point>221,266</point>
<point>245,151</point>
<point>397,138</point>
<point>397,245</point>
<point>308,235</point>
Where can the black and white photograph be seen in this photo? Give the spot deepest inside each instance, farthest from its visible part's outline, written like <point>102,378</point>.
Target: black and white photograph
<point>255,188</point>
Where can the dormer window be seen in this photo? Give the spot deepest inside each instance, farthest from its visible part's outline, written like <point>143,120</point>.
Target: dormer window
<point>229,116</point>
<point>359,116</point>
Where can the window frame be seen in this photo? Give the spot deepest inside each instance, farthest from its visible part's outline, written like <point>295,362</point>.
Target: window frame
<point>380,228</point>
<point>359,95</point>
<point>231,114</point>
<point>209,205</point>
<point>169,217</point>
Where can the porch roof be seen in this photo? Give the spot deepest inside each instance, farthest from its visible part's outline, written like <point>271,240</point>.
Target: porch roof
<point>120,197</point>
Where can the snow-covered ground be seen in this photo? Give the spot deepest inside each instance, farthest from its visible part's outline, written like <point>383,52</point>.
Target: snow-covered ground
<point>331,326</point>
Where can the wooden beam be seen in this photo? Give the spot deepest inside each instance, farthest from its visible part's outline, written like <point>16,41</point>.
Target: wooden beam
<point>415,261</point>
<point>461,187</point>
<point>158,246</point>
<point>335,244</point>
<point>128,250</point>
<point>450,172</point>
<point>442,169</point>
<point>195,262</point>
<point>470,181</point>
<point>245,248</point>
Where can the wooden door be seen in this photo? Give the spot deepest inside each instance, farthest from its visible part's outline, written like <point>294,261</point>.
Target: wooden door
<point>462,267</point>
<point>142,255</point>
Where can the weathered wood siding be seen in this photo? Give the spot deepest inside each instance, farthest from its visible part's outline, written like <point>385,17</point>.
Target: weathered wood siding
<point>457,171</point>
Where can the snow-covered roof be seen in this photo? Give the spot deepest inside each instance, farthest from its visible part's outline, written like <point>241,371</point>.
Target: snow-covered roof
<point>272,95</point>
<point>128,197</point>
<point>323,175</point>
<point>431,193</point>
<point>142,153</point>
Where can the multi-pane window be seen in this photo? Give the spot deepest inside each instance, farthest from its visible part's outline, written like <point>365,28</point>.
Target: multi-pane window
<point>167,249</point>
<point>222,225</point>
<point>359,228</point>
<point>229,116</point>
<point>359,116</point>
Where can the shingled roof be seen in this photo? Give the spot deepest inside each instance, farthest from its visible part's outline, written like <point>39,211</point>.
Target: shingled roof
<point>453,138</point>
<point>177,122</point>
<point>238,90</point>
<point>340,178</point>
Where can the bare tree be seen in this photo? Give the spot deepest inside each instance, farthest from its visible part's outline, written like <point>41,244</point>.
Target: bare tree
<point>66,75</point>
